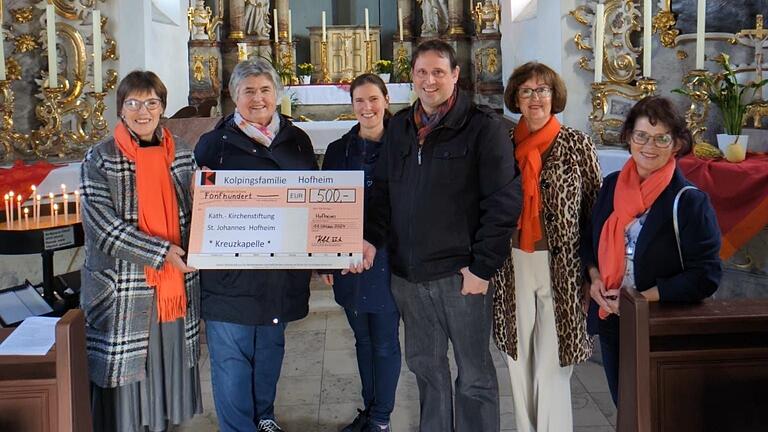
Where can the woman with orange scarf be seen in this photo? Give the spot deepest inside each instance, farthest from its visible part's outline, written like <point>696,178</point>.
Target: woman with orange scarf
<point>140,299</point>
<point>538,305</point>
<point>633,243</point>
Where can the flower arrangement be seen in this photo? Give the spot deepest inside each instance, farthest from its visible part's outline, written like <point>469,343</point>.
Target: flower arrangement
<point>383,66</point>
<point>305,68</point>
<point>725,91</point>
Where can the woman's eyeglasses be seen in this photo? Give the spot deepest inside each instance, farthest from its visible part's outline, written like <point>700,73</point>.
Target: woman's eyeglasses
<point>149,104</point>
<point>541,92</point>
<point>661,140</point>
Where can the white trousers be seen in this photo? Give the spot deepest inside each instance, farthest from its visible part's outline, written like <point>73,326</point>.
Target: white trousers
<point>540,387</point>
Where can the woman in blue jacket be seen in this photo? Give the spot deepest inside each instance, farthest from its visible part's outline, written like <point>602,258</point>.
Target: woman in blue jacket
<point>366,297</point>
<point>633,241</point>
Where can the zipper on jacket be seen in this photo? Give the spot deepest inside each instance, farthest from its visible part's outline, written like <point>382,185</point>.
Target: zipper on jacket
<point>418,154</point>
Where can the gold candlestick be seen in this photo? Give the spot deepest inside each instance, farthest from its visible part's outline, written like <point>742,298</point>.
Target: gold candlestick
<point>325,77</point>
<point>369,56</point>
<point>97,121</point>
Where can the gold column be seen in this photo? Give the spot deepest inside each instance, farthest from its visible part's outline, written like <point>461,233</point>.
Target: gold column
<point>455,17</point>
<point>236,12</point>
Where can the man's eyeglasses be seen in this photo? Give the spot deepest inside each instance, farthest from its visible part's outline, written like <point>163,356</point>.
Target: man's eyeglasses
<point>661,140</point>
<point>149,104</point>
<point>541,92</point>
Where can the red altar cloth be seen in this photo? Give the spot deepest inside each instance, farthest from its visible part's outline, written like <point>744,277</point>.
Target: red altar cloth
<point>20,177</point>
<point>739,194</point>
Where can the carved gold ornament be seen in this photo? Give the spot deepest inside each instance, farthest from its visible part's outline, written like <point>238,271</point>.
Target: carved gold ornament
<point>664,24</point>
<point>12,69</point>
<point>198,70</point>
<point>22,15</point>
<point>213,70</point>
<point>24,43</point>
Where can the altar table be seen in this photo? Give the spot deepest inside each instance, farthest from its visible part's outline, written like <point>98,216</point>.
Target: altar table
<point>338,94</point>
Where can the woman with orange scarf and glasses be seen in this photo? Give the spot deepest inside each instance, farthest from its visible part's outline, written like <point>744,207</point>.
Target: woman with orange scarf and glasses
<point>538,305</point>
<point>141,301</point>
<point>633,240</point>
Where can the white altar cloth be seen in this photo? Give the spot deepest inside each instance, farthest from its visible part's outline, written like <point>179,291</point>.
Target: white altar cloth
<point>338,94</point>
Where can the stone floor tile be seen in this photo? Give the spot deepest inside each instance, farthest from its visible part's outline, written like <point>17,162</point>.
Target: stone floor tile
<point>343,388</point>
<point>339,339</point>
<point>606,406</point>
<point>340,362</point>
<point>303,390</point>
<point>205,422</point>
<point>304,353</point>
<point>506,406</point>
<point>407,389</point>
<point>337,320</point>
<point>576,385</point>
<point>405,417</point>
<point>313,321</point>
<point>592,376</point>
<point>586,412</point>
<point>297,417</point>
<point>334,416</point>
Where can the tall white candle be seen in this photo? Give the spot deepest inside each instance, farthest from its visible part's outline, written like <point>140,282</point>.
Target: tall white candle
<point>97,79</point>
<point>290,38</point>
<point>701,23</point>
<point>647,25</point>
<point>26,217</point>
<point>324,40</point>
<point>2,54</point>
<point>400,22</point>
<point>66,207</point>
<point>274,16</point>
<point>599,25</point>
<point>77,206</point>
<point>38,199</point>
<point>7,210</point>
<point>367,26</point>
<point>50,28</point>
<point>11,194</point>
<point>18,207</point>
<point>55,214</point>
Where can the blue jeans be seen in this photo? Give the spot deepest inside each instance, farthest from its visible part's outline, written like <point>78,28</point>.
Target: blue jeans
<point>434,313</point>
<point>378,359</point>
<point>609,347</point>
<point>245,366</point>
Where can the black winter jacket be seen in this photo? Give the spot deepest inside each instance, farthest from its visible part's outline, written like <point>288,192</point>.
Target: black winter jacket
<point>255,297</point>
<point>450,203</point>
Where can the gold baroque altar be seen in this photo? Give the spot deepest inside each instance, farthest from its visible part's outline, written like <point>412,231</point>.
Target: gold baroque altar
<point>346,50</point>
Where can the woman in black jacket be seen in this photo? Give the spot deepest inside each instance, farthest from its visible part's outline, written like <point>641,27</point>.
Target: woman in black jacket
<point>366,297</point>
<point>246,310</point>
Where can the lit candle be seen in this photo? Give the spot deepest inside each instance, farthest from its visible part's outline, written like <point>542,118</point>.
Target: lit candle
<point>50,26</point>
<point>97,80</point>
<point>11,194</point>
<point>274,15</point>
<point>66,207</point>
<point>290,39</point>
<point>324,40</point>
<point>18,207</point>
<point>63,188</point>
<point>55,214</point>
<point>26,217</point>
<point>50,197</point>
<point>701,23</point>
<point>7,210</point>
<point>38,198</point>
<point>367,26</point>
<point>77,206</point>
<point>647,38</point>
<point>598,45</point>
<point>400,22</point>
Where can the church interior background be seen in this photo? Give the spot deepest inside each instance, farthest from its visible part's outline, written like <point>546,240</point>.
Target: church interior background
<point>193,46</point>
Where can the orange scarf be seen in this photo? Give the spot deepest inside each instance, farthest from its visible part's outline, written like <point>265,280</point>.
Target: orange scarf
<point>158,214</point>
<point>633,196</point>
<point>529,146</point>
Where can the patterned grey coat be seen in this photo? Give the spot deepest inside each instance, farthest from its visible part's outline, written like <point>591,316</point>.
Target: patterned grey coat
<point>115,296</point>
<point>570,180</point>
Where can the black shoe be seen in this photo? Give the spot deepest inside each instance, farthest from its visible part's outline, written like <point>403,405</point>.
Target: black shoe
<point>372,426</point>
<point>358,423</point>
<point>269,426</point>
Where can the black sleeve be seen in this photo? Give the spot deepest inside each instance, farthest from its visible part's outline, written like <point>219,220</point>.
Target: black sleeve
<point>377,212</point>
<point>500,198</point>
<point>206,150</point>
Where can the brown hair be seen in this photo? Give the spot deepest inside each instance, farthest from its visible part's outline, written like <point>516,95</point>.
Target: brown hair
<point>369,78</point>
<point>535,70</point>
<point>140,82</point>
<point>659,110</point>
<point>442,48</point>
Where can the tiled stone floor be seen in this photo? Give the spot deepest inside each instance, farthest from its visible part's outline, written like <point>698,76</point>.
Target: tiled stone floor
<point>319,387</point>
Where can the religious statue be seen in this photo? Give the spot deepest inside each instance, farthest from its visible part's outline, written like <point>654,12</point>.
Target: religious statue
<point>202,22</point>
<point>257,18</point>
<point>434,15</point>
<point>756,38</point>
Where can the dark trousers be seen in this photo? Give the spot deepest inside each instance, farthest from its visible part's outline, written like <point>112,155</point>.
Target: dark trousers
<point>378,359</point>
<point>608,329</point>
<point>435,312</point>
<point>245,365</point>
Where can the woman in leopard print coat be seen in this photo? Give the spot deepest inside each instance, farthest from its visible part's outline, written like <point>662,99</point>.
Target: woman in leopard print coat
<point>539,320</point>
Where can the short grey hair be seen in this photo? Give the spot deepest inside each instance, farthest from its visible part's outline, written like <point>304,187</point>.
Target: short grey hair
<point>254,67</point>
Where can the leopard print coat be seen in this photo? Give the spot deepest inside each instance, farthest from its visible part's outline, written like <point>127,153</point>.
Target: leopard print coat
<point>570,180</point>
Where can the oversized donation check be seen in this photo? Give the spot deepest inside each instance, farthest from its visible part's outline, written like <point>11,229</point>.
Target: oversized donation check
<point>276,220</point>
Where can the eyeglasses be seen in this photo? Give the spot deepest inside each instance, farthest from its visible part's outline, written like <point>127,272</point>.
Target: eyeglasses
<point>661,140</point>
<point>541,92</point>
<point>149,104</point>
<point>437,74</point>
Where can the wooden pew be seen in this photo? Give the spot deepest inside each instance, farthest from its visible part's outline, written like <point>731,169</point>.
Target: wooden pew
<point>693,367</point>
<point>50,392</point>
